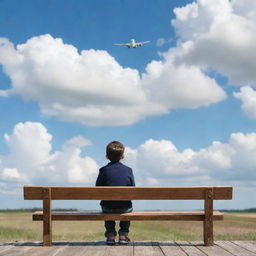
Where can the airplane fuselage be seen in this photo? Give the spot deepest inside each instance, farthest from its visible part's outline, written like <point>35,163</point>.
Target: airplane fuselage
<point>133,44</point>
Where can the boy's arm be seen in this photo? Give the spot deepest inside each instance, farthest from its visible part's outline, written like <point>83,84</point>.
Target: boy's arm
<point>100,179</point>
<point>132,179</point>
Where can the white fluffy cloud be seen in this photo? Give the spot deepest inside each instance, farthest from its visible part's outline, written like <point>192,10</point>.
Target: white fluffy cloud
<point>11,174</point>
<point>179,86</point>
<point>92,88</point>
<point>162,41</point>
<point>30,159</point>
<point>221,163</point>
<point>248,97</point>
<point>220,35</point>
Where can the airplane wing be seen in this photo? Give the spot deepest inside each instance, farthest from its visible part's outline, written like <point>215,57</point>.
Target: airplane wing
<point>141,43</point>
<point>123,45</point>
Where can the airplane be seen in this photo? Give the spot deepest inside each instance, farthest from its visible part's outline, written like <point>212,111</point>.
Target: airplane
<point>133,44</point>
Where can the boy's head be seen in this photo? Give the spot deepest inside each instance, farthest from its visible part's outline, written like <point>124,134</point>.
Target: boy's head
<point>115,151</point>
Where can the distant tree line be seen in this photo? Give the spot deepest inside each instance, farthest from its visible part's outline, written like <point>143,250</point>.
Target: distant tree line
<point>75,209</point>
<point>35,209</point>
<point>239,210</point>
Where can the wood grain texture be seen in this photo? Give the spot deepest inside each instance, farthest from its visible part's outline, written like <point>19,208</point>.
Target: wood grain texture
<point>95,251</point>
<point>47,217</point>
<point>80,251</point>
<point>128,193</point>
<point>211,250</point>
<point>208,221</point>
<point>44,251</point>
<point>126,250</point>
<point>189,249</point>
<point>139,248</point>
<point>249,245</point>
<point>4,248</point>
<point>17,251</point>
<point>234,248</point>
<point>171,249</point>
<point>142,216</point>
<point>151,249</point>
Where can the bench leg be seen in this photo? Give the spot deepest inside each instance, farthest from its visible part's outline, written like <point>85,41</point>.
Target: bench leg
<point>47,222</point>
<point>208,221</point>
<point>208,233</point>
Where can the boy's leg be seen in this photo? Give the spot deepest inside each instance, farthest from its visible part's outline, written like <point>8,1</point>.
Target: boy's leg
<point>123,232</point>
<point>125,225</point>
<point>110,228</point>
<point>124,228</point>
<point>110,224</point>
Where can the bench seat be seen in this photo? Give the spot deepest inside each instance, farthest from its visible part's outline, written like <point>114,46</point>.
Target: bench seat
<point>207,215</point>
<point>138,215</point>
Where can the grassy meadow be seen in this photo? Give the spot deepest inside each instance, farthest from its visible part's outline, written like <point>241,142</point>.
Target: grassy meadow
<point>18,226</point>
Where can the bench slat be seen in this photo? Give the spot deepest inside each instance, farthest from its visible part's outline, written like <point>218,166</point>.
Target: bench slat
<point>128,193</point>
<point>150,215</point>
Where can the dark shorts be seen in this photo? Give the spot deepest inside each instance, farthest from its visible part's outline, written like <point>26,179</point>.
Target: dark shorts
<point>116,210</point>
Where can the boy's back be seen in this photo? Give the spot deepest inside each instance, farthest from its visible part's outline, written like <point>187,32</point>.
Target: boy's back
<point>115,174</point>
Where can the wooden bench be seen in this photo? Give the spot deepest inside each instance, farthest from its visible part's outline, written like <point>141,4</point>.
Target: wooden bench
<point>208,194</point>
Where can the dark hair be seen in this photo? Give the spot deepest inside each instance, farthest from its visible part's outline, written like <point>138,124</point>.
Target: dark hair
<point>115,151</point>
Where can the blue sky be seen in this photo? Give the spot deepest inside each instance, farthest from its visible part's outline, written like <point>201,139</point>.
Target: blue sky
<point>184,104</point>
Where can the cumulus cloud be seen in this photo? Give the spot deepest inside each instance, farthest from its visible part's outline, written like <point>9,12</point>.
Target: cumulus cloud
<point>220,35</point>
<point>3,93</point>
<point>11,174</point>
<point>92,88</point>
<point>177,86</point>
<point>162,41</point>
<point>160,162</point>
<point>248,97</point>
<point>78,141</point>
<point>72,86</point>
<point>30,159</point>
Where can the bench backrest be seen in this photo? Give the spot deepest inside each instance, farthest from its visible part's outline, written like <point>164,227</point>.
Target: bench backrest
<point>128,193</point>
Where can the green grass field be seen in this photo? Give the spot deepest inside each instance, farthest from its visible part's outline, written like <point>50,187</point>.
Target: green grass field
<point>18,226</point>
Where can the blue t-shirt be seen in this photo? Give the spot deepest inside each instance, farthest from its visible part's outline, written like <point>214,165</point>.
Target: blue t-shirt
<point>115,174</point>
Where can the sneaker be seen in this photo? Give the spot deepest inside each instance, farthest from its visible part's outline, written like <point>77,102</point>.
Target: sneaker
<point>124,240</point>
<point>111,240</point>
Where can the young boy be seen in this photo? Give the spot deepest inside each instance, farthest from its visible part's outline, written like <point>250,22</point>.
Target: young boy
<point>116,174</point>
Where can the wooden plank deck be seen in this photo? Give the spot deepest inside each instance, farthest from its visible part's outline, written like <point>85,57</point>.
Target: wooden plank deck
<point>177,248</point>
